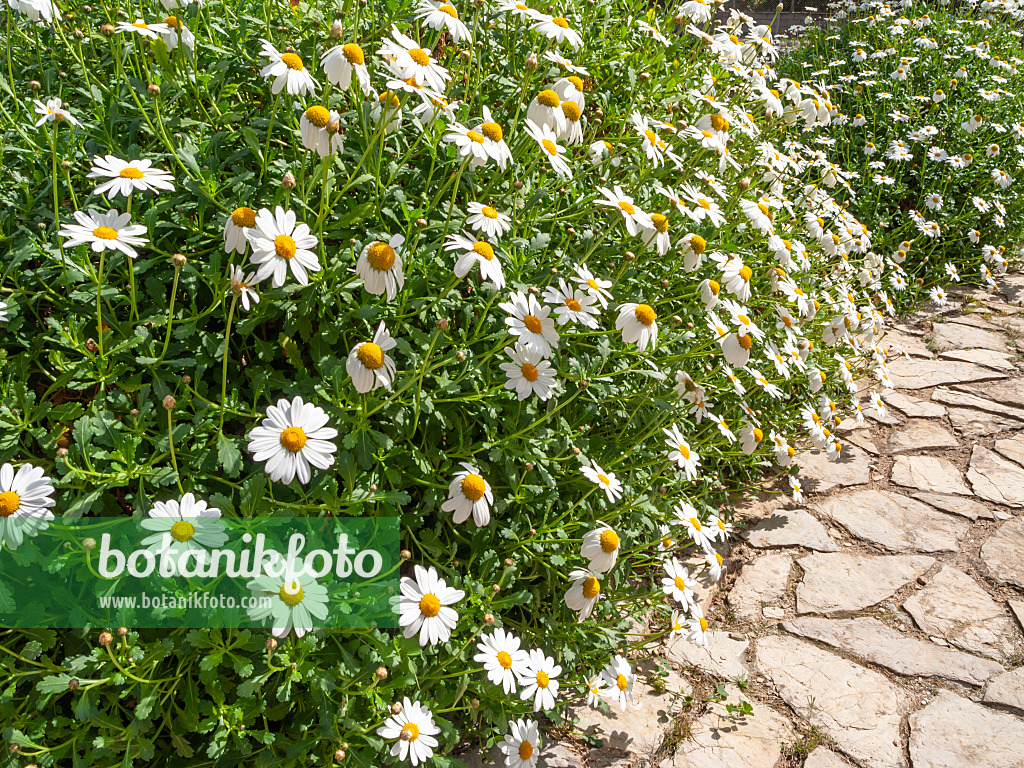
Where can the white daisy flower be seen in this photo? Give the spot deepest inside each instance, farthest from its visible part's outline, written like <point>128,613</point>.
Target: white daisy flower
<point>528,373</point>
<point>424,606</point>
<point>241,219</point>
<point>601,547</point>
<point>293,437</point>
<point>294,602</point>
<point>469,143</point>
<point>638,325</point>
<point>319,128</point>
<point>341,61</point>
<point>572,304</point>
<point>414,729</point>
<point>677,584</point>
<point>594,286</point>
<point>697,626</point>
<point>178,33</point>
<point>24,503</point>
<point>475,252</point>
<point>490,221</point>
<point>612,487</point>
<point>680,452</point>
<point>548,142</point>
<point>141,28</point>
<point>105,231</point>
<point>279,244</point>
<point>494,140</point>
<point>442,15</point>
<point>52,110</point>
<point>636,219</point>
<point>502,658</point>
<point>557,28</point>
<point>687,515</point>
<point>388,109</point>
<point>583,593</point>
<point>189,525</point>
<point>531,323</point>
<point>368,363</point>
<point>469,493</point>
<point>288,70</point>
<point>407,60</point>
<point>380,267</point>
<point>126,176</point>
<point>538,679</point>
<point>618,681</point>
<point>521,746</point>
<point>241,285</point>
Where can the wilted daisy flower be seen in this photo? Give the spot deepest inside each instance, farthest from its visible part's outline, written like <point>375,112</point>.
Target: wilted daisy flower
<point>557,28</point>
<point>572,304</point>
<point>490,221</point>
<point>680,452</point>
<point>126,176</point>
<point>241,285</point>
<point>53,111</point>
<point>368,363</point>
<point>583,594</point>
<point>24,503</point>
<point>380,267</point>
<point>104,231</point>
<point>341,61</point>
<point>607,481</point>
<point>190,525</point>
<point>295,601</point>
<point>601,547</point>
<point>618,681</point>
<point>528,373</point>
<point>502,658</point>
<point>638,325</point>
<point>521,746</point>
<point>293,437</point>
<point>141,28</point>
<point>316,126</point>
<point>288,70</point>
<point>414,728</point>
<point>677,584</point>
<point>240,220</point>
<point>279,244</point>
<point>594,286</point>
<point>442,15</point>
<point>468,494</point>
<point>548,142</point>
<point>406,59</point>
<point>531,323</point>
<point>474,251</point>
<point>424,606</point>
<point>676,623</point>
<point>538,680</point>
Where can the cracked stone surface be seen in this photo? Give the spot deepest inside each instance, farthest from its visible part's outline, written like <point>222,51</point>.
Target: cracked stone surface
<point>721,657</point>
<point>953,732</point>
<point>922,374</point>
<point>956,505</point>
<point>760,583</point>
<point>1012,449</point>
<point>914,407</point>
<point>1017,609</point>
<point>791,528</point>
<point>997,361</point>
<point>847,582</point>
<point>933,474</point>
<point>1007,690</point>
<point>949,336</point>
<point>1010,391</point>
<point>858,708</point>
<point>952,397</point>
<point>971,423</point>
<point>821,757</point>
<point>894,522</point>
<point>919,435</point>
<point>820,475</point>
<point>1003,554</point>
<point>996,479</point>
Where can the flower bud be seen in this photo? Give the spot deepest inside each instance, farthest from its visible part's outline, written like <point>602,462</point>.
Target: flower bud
<point>508,562</point>
<point>107,30</point>
<point>122,631</point>
<point>89,543</point>
<point>528,466</point>
<point>337,29</point>
<point>676,320</point>
<point>575,451</point>
<point>442,323</point>
<point>154,89</point>
<point>179,260</point>
<point>73,684</point>
<point>489,618</point>
<point>35,85</point>
<point>77,33</point>
<point>169,402</point>
<point>531,63</point>
<point>405,554</point>
<point>90,344</point>
<point>461,356</point>
<point>106,638</point>
<point>396,708</point>
<point>288,180</point>
<point>745,183</point>
<point>271,643</point>
<point>421,222</point>
<point>339,755</point>
<point>382,672</point>
<point>475,703</point>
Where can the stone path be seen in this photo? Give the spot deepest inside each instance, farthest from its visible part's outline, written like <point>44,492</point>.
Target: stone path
<point>879,623</point>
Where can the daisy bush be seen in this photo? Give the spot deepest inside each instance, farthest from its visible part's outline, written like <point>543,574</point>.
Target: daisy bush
<point>548,284</point>
<point>928,106</point>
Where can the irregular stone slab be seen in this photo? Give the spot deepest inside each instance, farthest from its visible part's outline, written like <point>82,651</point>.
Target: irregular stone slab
<point>893,521</point>
<point>952,732</point>
<point>1012,448</point>
<point>790,528</point>
<point>897,342</point>
<point>820,475</point>
<point>1007,689</point>
<point>1012,287</point>
<point>921,434</point>
<point>1003,554</point>
<point>974,320</point>
<point>1009,391</point>
<point>956,505</point>
<point>913,407</point>
<point>954,607</point>
<point>823,758</point>
<point>862,439</point>
<point>555,755</point>
<point>721,740</point>
<point>949,336</point>
<point>923,374</point>
<point>760,583</point>
<point>994,478</point>
<point>968,400</point>
<point>841,582</point>
<point>722,657</point>
<point>1017,609</point>
<point>997,361</point>
<point>857,708</point>
<point>928,473</point>
<point>878,643</point>
<point>972,423</point>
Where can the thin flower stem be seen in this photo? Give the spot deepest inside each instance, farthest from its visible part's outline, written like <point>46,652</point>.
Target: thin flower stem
<point>170,314</point>
<point>224,364</point>
<point>170,443</point>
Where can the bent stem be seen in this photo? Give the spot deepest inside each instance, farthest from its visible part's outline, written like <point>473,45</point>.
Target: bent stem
<point>224,366</point>
<point>170,314</point>
<point>170,443</point>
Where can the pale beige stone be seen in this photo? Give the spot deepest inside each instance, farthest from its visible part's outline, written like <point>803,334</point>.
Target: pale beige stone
<point>952,732</point>
<point>956,505</point>
<point>996,479</point>
<point>1012,448</point>
<point>912,406</point>
<point>923,374</point>
<point>1003,554</point>
<point>721,657</point>
<point>1007,690</point>
<point>949,336</point>
<point>958,399</point>
<point>846,582</point>
<point>997,361</point>
<point>821,757</point>
<point>919,435</point>
<point>932,474</point>
<point>760,583</point>
<point>1009,392</point>
<point>973,423</point>
<point>819,474</point>
<point>790,528</point>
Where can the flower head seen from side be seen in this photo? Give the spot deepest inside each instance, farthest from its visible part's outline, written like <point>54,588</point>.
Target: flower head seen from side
<point>618,681</point>
<point>442,15</point>
<point>341,61</point>
<point>369,363</point>
<point>242,285</point>
<point>320,130</point>
<point>521,745</point>
<point>605,480</point>
<point>469,494</point>
<point>127,176</point>
<point>288,71</point>
<point>241,219</point>
<point>191,524</point>
<point>412,724</point>
<point>291,602</point>
<point>177,34</point>
<point>697,626</point>
<point>25,503</point>
<point>531,322</point>
<point>475,251</point>
<point>502,658</point>
<point>601,546</point>
<point>528,373</point>
<point>139,27</point>
<point>279,244</point>
<point>105,231</point>
<point>424,606</point>
<point>52,110</point>
<point>494,140</point>
<point>638,324</point>
<point>584,592</point>
<point>292,438</point>
<point>539,680</point>
<point>380,267</point>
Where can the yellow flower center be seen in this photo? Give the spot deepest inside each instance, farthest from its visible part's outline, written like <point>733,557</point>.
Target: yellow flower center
<point>293,60</point>
<point>764,209</point>
<point>381,256</point>
<point>389,98</point>
<point>183,531</point>
<point>577,82</point>
<point>353,53</point>
<point>627,207</point>
<point>533,325</point>
<point>9,503</point>
<point>475,137</point>
<point>660,222</point>
<point>473,487</point>
<point>707,134</point>
<point>719,123</point>
<point>505,659</point>
<point>130,173</point>
<point>593,285</point>
<point>548,98</point>
<point>591,587</point>
<point>293,439</point>
<point>140,25</point>
<point>105,233</point>
<point>745,341</point>
<point>704,204</point>
<point>525,750</point>
<point>684,451</point>
<point>703,624</point>
<point>609,541</point>
<point>410,732</point>
<point>746,273</point>
<point>621,682</point>
<point>529,372</point>
<point>698,244</point>
<point>543,679</point>
<point>758,435</point>
<point>560,22</point>
<point>573,305</point>
<point>318,116</point>
<point>571,110</point>
<point>449,10</point>
<point>549,146</point>
<point>489,212</point>
<point>291,594</point>
<point>285,246</point>
<point>695,523</point>
<point>172,21</point>
<point>644,314</point>
<point>492,131</point>
<point>603,479</point>
<point>370,355</point>
<point>429,605</point>
<point>484,249</point>
<point>421,57</point>
<point>652,137</point>
<point>244,217</point>
<point>680,584</point>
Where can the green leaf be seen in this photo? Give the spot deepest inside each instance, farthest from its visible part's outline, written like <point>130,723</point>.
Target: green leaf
<point>229,455</point>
